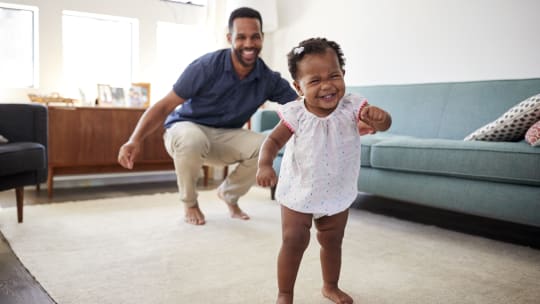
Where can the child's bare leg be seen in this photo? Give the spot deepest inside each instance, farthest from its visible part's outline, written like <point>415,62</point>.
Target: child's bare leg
<point>295,239</point>
<point>330,231</point>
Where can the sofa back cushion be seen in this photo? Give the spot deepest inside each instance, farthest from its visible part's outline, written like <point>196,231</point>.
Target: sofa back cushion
<point>447,110</point>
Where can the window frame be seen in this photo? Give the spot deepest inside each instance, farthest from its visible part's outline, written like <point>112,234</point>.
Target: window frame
<point>35,41</point>
<point>190,2</point>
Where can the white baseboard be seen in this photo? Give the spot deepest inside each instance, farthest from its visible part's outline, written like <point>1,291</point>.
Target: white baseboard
<point>73,181</point>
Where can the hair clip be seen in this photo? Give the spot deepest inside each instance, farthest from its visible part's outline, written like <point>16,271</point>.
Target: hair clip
<point>298,50</point>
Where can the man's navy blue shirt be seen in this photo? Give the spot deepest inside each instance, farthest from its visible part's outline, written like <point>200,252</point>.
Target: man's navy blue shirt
<point>216,97</point>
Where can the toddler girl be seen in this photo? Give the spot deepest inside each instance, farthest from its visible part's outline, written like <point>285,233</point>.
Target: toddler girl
<point>319,171</point>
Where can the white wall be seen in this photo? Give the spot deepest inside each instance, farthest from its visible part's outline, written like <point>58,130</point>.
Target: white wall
<point>411,41</point>
<point>385,41</point>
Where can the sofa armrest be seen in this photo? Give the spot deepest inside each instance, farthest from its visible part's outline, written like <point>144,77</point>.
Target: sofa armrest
<point>24,122</point>
<point>264,120</point>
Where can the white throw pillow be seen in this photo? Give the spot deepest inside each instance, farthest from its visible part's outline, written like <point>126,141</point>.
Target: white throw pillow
<point>3,140</point>
<point>513,124</point>
<point>533,134</point>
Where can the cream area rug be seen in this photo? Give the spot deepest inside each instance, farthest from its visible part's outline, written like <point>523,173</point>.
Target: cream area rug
<point>138,250</point>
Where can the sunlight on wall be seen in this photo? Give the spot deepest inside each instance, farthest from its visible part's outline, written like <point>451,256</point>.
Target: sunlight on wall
<point>177,46</point>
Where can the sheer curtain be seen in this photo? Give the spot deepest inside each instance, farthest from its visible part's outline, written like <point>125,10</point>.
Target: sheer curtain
<point>98,49</point>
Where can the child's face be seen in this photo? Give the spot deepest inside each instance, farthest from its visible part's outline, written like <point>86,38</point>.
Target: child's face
<point>320,81</point>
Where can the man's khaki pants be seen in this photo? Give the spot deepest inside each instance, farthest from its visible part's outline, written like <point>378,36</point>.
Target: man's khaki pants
<point>192,145</point>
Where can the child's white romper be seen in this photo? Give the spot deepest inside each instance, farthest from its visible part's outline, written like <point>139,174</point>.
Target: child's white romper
<point>320,167</point>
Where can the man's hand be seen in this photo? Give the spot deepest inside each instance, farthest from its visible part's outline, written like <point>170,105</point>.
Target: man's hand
<point>266,176</point>
<point>127,154</point>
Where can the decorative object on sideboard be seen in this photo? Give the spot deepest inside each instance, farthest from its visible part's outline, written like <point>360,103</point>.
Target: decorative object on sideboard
<point>139,95</point>
<point>105,97</point>
<point>51,98</point>
<point>118,97</point>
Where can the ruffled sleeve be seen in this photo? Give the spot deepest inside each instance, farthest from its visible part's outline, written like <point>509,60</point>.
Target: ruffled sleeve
<point>357,104</point>
<point>289,114</point>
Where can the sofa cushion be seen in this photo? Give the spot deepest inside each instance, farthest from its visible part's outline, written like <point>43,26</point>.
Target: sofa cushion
<point>494,161</point>
<point>533,134</point>
<point>21,157</point>
<point>369,140</point>
<point>513,124</point>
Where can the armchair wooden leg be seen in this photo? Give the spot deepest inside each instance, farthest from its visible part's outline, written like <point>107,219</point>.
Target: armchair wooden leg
<point>19,194</point>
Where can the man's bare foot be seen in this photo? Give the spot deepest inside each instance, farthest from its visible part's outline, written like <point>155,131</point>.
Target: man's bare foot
<point>336,295</point>
<point>194,216</point>
<point>284,298</point>
<point>235,211</point>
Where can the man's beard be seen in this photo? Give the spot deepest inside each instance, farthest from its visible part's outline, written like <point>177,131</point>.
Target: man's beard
<point>238,54</point>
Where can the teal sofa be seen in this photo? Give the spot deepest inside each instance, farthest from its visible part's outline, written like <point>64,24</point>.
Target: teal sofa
<point>423,158</point>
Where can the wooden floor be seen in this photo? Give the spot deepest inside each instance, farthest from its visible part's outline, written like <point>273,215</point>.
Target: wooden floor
<point>17,286</point>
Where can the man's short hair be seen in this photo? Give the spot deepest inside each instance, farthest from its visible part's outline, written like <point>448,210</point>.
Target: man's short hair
<point>244,12</point>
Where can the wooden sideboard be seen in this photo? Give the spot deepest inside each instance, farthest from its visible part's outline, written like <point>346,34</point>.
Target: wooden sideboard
<point>86,140</point>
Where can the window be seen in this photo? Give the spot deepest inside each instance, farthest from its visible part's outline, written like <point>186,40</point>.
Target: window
<point>18,46</point>
<point>177,46</point>
<point>98,49</point>
<point>193,2</point>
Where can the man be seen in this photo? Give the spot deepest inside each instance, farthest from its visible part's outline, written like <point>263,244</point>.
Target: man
<point>218,92</point>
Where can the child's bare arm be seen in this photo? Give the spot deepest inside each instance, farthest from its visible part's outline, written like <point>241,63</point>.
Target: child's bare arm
<point>376,118</point>
<point>266,176</point>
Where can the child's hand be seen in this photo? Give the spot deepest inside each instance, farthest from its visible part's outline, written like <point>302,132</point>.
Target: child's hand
<point>374,118</point>
<point>364,128</point>
<point>266,176</point>
<point>372,114</point>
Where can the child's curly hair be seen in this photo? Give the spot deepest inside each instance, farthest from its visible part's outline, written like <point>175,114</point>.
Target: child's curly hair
<point>312,46</point>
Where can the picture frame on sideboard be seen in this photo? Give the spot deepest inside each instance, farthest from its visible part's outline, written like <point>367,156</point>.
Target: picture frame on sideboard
<point>118,97</point>
<point>105,97</point>
<point>139,95</point>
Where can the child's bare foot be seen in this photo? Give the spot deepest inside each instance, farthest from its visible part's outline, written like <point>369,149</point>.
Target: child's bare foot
<point>284,298</point>
<point>235,211</point>
<point>336,295</point>
<point>193,215</point>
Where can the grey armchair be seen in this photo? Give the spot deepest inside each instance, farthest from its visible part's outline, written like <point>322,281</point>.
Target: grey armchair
<point>23,160</point>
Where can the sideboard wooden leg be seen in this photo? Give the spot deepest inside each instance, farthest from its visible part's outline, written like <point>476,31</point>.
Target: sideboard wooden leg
<point>50,183</point>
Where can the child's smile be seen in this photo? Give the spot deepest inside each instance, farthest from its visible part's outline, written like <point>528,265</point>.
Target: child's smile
<point>328,98</point>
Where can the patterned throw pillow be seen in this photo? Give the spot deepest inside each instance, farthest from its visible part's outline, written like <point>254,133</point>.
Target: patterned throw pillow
<point>533,135</point>
<point>513,124</point>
